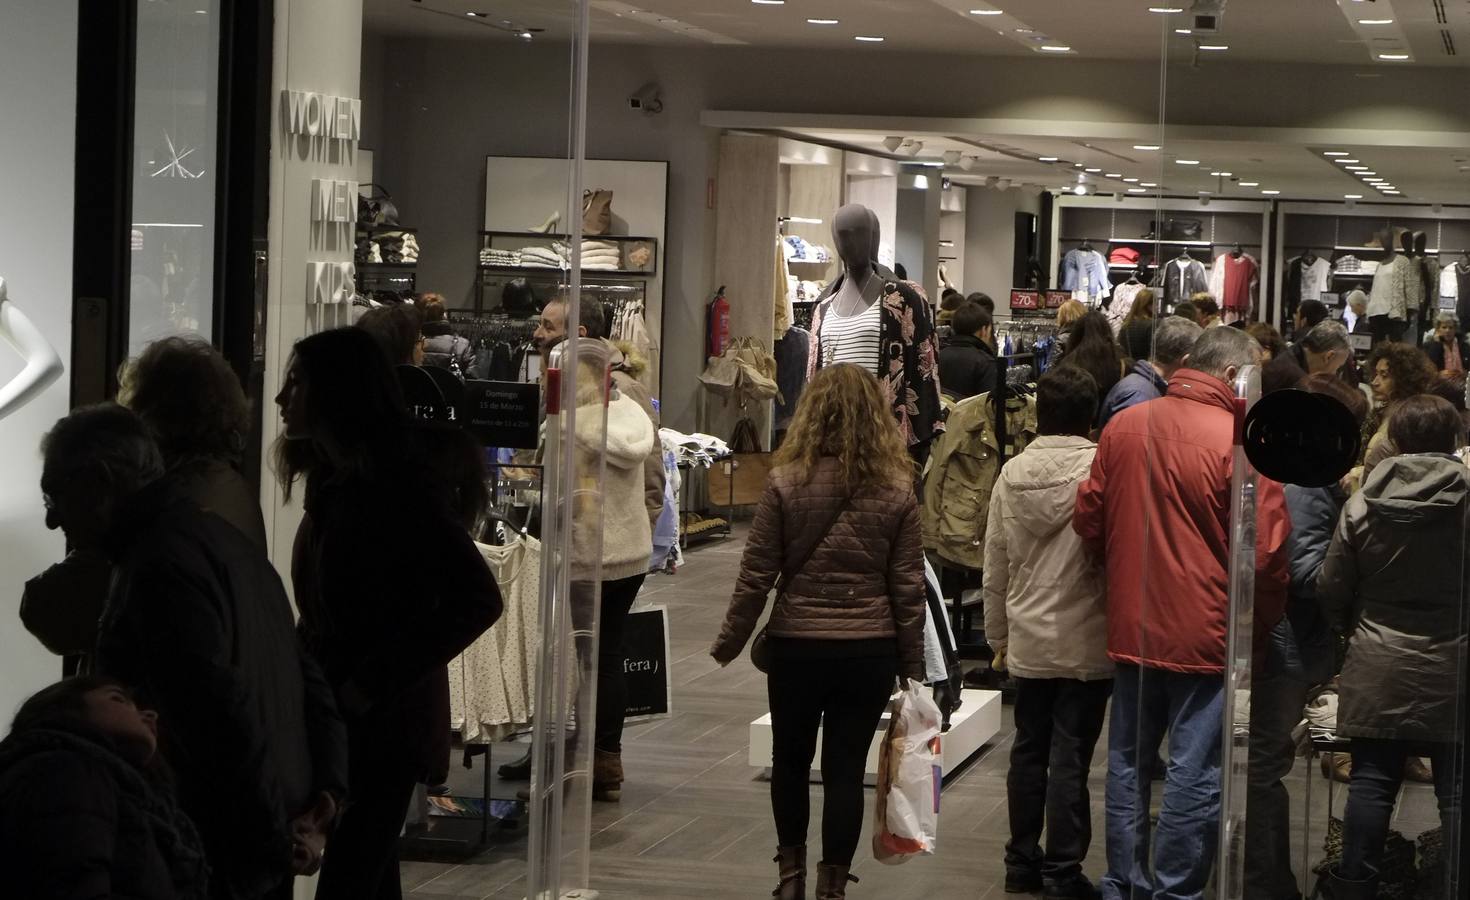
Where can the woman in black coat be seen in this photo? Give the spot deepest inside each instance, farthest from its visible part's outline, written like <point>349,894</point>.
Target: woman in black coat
<point>389,584</point>
<point>81,815</point>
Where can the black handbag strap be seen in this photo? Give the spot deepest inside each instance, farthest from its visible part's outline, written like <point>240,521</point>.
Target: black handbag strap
<point>792,571</point>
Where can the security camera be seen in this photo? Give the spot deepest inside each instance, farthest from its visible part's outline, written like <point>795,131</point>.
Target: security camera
<point>1206,16</point>
<point>646,100</point>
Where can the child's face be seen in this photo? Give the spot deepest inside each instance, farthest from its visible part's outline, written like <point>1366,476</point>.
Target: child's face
<point>113,712</point>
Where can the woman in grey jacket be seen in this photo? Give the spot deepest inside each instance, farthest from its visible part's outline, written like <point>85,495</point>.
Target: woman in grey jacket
<point>1394,582</point>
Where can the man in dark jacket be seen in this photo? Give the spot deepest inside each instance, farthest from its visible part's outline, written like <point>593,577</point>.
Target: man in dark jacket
<point>198,622</point>
<point>1174,337</point>
<point>1168,569</point>
<point>967,361</point>
<point>1300,655</point>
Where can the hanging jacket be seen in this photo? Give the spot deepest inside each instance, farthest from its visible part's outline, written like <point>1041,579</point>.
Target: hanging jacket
<point>1168,565</point>
<point>1085,270</point>
<point>78,821</point>
<point>199,623</point>
<point>911,353</point>
<point>962,470</point>
<point>1181,279</point>
<point>1045,591</point>
<point>1394,583</point>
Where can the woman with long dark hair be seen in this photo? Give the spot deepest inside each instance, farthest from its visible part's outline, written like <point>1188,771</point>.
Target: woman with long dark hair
<point>84,810</point>
<point>1091,347</point>
<point>383,625</point>
<point>839,523</point>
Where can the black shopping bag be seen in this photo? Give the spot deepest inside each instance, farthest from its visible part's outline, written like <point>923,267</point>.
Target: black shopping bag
<point>646,640</point>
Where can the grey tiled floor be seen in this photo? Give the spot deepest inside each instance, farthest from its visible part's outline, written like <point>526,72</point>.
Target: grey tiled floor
<point>694,820</point>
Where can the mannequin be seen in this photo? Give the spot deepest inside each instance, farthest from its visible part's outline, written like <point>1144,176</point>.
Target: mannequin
<point>903,352</point>
<point>43,365</point>
<point>1388,300</point>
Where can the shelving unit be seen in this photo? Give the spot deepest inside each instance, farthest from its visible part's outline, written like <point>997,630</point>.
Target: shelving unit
<point>547,280</point>
<point>398,278</point>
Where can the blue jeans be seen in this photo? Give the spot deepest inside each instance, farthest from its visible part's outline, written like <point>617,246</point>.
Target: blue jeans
<point>1146,702</point>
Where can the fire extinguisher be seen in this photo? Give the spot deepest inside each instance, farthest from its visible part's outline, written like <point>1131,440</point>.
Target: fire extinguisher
<point>719,323</point>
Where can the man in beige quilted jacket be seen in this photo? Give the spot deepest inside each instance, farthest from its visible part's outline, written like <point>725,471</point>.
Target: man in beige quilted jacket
<point>1045,616</point>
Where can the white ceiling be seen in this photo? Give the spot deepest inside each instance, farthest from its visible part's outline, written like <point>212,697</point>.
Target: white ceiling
<point>1296,171</point>
<point>1317,31</point>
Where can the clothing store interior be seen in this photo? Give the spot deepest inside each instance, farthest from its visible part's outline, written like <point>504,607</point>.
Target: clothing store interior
<point>923,449</point>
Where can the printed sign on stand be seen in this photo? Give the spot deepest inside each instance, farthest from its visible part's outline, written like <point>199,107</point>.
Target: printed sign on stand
<point>504,413</point>
<point>1025,300</point>
<point>1055,299</point>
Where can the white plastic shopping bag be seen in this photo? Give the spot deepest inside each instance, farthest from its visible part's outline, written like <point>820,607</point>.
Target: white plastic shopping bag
<point>910,773</point>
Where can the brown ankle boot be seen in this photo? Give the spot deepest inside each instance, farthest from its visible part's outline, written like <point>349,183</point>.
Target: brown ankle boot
<point>832,881</point>
<point>607,776</point>
<point>792,866</point>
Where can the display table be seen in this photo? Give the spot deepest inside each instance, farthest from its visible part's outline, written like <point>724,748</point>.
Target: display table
<point>972,726</point>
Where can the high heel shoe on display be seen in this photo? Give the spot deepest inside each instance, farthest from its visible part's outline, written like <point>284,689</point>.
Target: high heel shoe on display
<point>550,223</point>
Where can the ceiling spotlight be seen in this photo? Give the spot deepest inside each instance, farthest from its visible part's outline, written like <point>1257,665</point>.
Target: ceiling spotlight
<point>821,21</point>
<point>969,162</point>
<point>1003,184</point>
<point>912,148</point>
<point>1080,190</point>
<point>1145,146</point>
<point>951,157</point>
<point>525,35</point>
<point>891,144</point>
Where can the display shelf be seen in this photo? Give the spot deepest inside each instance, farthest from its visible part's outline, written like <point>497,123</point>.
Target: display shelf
<point>518,241</point>
<point>558,236</point>
<point>544,270</point>
<point>386,265</point>
<point>382,229</point>
<point>812,262</point>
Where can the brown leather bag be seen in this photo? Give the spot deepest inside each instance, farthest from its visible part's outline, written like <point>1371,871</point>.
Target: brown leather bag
<point>596,212</point>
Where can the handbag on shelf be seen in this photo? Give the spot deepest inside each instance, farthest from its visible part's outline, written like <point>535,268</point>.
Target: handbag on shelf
<point>377,208</point>
<point>596,212</point>
<point>760,648</point>
<point>1181,230</point>
<point>746,471</point>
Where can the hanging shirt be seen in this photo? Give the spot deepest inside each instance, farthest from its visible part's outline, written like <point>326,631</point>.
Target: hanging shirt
<point>1182,278</point>
<point>1085,270</point>
<point>1123,297</point>
<point>1316,276</point>
<point>854,339</point>
<point>1239,276</point>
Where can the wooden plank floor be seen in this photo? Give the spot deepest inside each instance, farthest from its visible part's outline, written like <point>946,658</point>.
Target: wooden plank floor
<point>695,821</point>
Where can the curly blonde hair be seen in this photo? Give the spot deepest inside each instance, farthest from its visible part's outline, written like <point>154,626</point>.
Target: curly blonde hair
<point>1069,313</point>
<point>843,414</point>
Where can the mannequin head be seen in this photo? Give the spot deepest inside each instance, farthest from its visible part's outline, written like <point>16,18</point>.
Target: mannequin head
<point>855,232</point>
<point>1421,243</point>
<point>1406,242</point>
<point>877,233</point>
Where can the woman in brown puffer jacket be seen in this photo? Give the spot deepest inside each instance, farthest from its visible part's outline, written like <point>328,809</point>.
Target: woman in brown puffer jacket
<point>839,524</point>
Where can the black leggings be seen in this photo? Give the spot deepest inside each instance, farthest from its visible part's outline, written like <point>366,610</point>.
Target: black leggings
<point>846,698</point>
<point>612,683</point>
<point>1378,773</point>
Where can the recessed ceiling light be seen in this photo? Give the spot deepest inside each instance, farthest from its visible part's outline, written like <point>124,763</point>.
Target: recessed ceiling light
<point>1376,180</point>
<point>1145,146</point>
<point>1394,193</point>
<point>1113,175</point>
<point>1352,196</point>
<point>1393,57</point>
<point>821,21</point>
<point>1361,174</point>
<point>868,39</point>
<point>1375,21</point>
<point>1025,31</point>
<point>1184,31</point>
<point>1131,180</point>
<point>1216,174</point>
<point>986,12</point>
<point>1271,193</point>
<point>1250,184</point>
<point>1214,46</point>
<point>1344,162</point>
<point>769,2</point>
<point>1336,153</point>
<point>1166,10</point>
<point>1046,159</point>
<point>1148,184</point>
<point>1227,174</point>
<point>1186,162</point>
<point>1137,191</point>
<point>1356,168</point>
<point>1092,171</point>
<point>1056,48</point>
<point>474,15</point>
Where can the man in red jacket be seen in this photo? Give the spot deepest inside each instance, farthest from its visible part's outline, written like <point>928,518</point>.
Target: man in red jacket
<point>1157,504</point>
